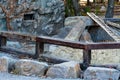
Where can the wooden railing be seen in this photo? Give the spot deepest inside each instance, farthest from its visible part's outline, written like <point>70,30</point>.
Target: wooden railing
<point>41,41</point>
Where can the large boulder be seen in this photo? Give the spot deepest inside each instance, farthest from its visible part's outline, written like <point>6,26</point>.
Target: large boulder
<point>64,70</point>
<point>30,67</point>
<point>98,73</point>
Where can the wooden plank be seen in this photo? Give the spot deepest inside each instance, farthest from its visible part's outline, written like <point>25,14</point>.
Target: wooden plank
<point>17,36</point>
<point>112,19</point>
<point>112,24</point>
<point>104,26</point>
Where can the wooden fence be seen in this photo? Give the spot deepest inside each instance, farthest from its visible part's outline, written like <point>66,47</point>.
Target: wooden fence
<point>41,40</point>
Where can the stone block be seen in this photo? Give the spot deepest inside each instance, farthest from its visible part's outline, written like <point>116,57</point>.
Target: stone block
<point>69,70</point>
<point>6,64</point>
<point>98,73</point>
<point>118,67</point>
<point>30,67</point>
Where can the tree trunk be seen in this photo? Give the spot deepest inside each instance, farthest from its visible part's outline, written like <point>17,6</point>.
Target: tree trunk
<point>88,2</point>
<point>8,24</point>
<point>76,7</point>
<point>110,9</point>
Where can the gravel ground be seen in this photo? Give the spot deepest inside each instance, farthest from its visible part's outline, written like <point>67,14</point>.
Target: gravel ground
<point>6,76</point>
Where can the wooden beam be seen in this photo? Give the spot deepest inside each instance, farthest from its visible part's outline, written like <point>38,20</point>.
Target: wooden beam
<point>15,36</point>
<point>112,24</point>
<point>107,45</point>
<point>104,26</point>
<point>112,19</point>
<point>61,42</point>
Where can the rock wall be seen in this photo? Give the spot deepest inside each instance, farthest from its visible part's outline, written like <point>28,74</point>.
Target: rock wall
<point>37,17</point>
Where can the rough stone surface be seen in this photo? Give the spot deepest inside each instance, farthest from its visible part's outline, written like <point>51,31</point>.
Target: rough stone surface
<point>118,67</point>
<point>30,67</point>
<point>74,34</point>
<point>44,17</point>
<point>6,64</point>
<point>64,70</point>
<point>108,56</point>
<point>7,76</point>
<point>97,73</point>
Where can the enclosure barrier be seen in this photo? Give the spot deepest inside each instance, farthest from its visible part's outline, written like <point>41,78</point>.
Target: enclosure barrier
<point>41,40</point>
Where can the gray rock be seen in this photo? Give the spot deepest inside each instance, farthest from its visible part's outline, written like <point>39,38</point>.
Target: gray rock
<point>69,70</point>
<point>13,44</point>
<point>7,76</point>
<point>118,67</point>
<point>97,73</point>
<point>6,64</point>
<point>44,17</point>
<point>30,67</point>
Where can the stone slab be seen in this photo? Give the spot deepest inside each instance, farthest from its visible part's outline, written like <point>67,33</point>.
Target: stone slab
<point>98,73</point>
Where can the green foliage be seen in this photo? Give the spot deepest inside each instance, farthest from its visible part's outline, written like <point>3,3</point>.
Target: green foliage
<point>69,8</point>
<point>84,10</point>
<point>97,10</point>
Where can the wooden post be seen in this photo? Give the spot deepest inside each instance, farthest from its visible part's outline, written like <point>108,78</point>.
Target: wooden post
<point>86,57</point>
<point>3,41</point>
<point>39,49</point>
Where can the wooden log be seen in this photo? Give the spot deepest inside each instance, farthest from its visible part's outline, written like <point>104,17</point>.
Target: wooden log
<point>112,24</point>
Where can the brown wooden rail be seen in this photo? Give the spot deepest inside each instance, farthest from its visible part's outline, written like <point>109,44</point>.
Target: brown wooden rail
<point>41,40</point>
<point>87,47</point>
